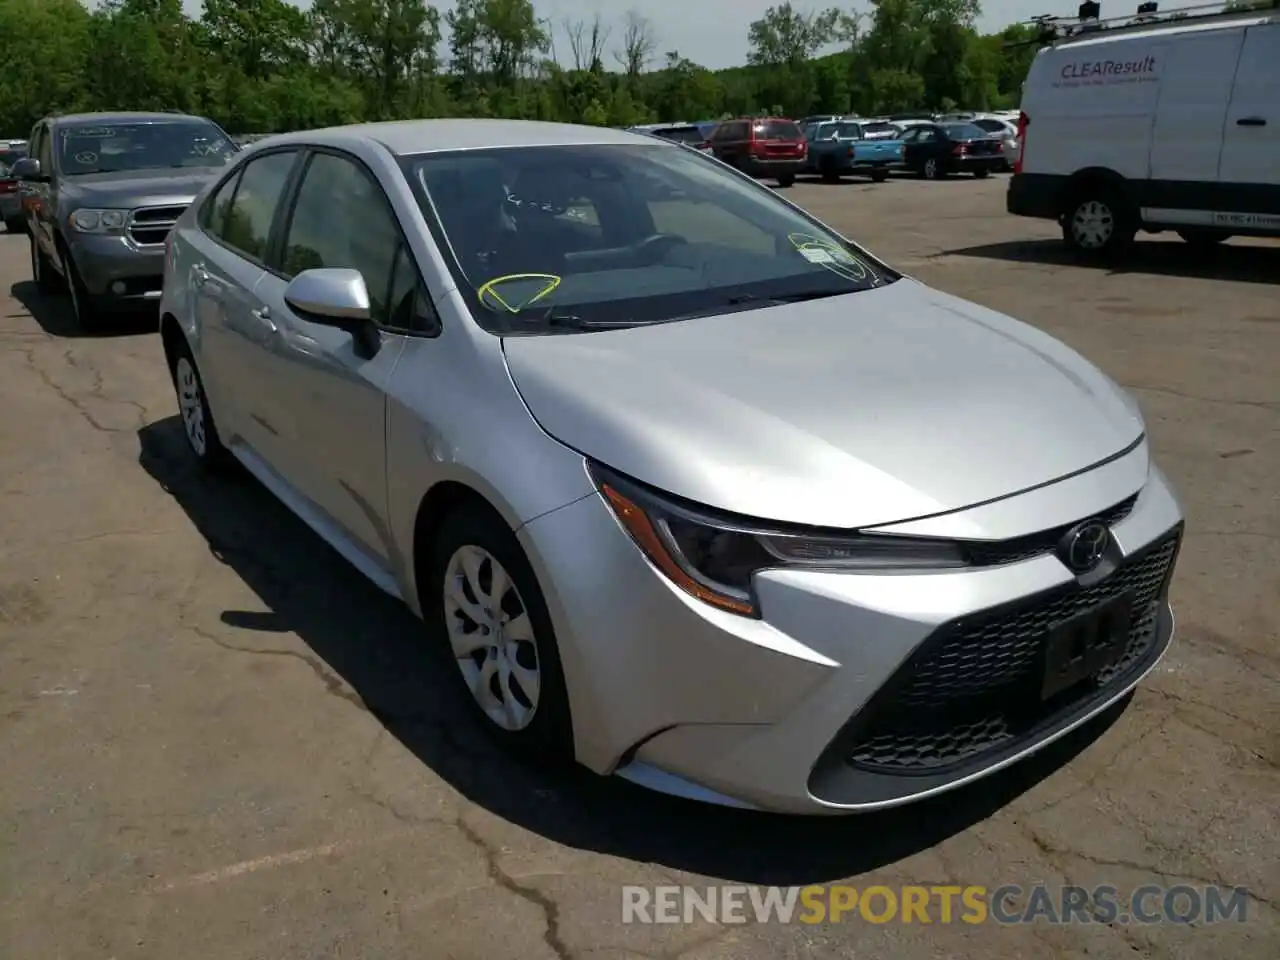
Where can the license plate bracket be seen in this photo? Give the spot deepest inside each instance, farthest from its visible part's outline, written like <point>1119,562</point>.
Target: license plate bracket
<point>1080,647</point>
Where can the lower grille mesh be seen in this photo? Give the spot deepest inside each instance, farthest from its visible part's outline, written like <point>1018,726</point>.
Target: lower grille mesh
<point>975,685</point>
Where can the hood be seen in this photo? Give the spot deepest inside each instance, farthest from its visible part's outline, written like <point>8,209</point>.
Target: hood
<point>854,411</point>
<point>139,188</point>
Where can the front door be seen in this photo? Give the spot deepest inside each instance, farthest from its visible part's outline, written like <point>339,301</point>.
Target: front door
<point>333,398</point>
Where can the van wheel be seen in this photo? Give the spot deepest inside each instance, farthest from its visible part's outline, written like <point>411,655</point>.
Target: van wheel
<point>1203,237</point>
<point>1099,222</point>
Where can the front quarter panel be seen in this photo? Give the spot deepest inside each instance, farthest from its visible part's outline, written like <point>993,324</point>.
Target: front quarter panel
<point>454,415</point>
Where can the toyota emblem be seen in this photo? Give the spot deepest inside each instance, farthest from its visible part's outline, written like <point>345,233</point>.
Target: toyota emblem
<point>1084,546</point>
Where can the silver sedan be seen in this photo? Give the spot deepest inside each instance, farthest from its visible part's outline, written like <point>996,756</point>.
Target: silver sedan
<point>699,492</point>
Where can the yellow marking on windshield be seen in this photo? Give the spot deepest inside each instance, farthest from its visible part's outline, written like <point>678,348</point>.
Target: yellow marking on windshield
<point>486,289</point>
<point>829,254</point>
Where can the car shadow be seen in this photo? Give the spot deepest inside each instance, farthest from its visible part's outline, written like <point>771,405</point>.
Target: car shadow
<point>402,676</point>
<point>54,314</point>
<point>1246,263</point>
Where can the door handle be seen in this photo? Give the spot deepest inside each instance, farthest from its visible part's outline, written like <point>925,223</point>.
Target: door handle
<point>263,314</point>
<point>1251,122</point>
<point>199,274</point>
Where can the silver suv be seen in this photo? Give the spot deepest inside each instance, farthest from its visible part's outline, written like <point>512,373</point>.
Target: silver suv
<point>103,190</point>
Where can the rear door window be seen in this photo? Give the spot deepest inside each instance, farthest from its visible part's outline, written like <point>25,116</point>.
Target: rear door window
<point>247,225</point>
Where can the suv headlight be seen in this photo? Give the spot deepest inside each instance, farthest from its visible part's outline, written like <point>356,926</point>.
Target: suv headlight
<point>90,220</point>
<point>714,556</point>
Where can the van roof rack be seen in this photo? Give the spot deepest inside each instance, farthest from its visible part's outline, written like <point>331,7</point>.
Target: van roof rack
<point>1089,20</point>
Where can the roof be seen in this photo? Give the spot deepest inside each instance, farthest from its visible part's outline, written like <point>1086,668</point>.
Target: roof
<point>405,137</point>
<point>124,116</point>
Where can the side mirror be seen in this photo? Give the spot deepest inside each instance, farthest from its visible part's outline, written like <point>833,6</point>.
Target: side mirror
<point>336,297</point>
<point>28,170</point>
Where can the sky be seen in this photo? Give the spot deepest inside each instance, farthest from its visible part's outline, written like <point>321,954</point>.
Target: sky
<point>713,33</point>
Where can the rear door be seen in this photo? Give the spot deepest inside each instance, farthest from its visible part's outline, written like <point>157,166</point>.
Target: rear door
<point>1251,136</point>
<point>1195,88</point>
<point>230,261</point>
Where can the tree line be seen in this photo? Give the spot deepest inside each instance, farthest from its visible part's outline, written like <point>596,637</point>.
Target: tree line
<point>263,66</point>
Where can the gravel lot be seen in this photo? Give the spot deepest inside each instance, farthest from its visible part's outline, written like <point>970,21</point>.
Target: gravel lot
<point>217,741</point>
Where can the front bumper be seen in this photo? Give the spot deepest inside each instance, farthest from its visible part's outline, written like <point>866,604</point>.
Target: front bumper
<point>115,269</point>
<point>764,169</point>
<point>802,711</point>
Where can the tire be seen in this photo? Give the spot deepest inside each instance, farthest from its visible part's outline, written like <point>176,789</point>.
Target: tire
<point>879,176</point>
<point>1099,222</point>
<point>84,305</point>
<point>471,548</point>
<point>981,174</point>
<point>16,225</point>
<point>786,179</point>
<point>197,419</point>
<point>1204,236</point>
<point>827,169</point>
<point>43,273</point>
<point>932,169</point>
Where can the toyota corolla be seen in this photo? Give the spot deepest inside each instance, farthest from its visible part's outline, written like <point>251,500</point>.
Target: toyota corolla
<point>699,492</point>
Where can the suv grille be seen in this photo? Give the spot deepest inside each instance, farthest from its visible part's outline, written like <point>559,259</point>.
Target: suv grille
<point>974,685</point>
<point>148,226</point>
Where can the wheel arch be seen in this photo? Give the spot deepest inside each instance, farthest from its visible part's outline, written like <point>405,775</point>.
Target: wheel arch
<point>1092,177</point>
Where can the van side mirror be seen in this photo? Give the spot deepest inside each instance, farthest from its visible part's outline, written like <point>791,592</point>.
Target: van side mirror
<point>336,297</point>
<point>28,171</point>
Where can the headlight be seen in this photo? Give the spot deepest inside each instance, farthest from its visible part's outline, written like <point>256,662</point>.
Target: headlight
<point>89,220</point>
<point>714,557</point>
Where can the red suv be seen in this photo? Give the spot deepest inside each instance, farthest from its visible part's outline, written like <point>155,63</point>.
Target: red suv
<point>762,147</point>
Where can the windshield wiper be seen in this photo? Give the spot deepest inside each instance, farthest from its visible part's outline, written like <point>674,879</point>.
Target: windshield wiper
<point>751,298</point>
<point>556,317</point>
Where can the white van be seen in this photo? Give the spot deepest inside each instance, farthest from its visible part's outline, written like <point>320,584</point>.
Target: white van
<point>1165,121</point>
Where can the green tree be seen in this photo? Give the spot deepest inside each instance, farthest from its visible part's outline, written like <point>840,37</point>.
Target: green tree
<point>42,60</point>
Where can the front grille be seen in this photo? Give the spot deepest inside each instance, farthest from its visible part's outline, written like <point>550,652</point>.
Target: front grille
<point>989,554</point>
<point>148,226</point>
<point>974,686</point>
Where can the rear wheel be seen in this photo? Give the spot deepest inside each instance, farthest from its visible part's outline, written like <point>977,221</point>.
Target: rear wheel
<point>982,174</point>
<point>786,179</point>
<point>1204,236</point>
<point>932,169</point>
<point>879,176</point>
<point>1099,221</point>
<point>827,167</point>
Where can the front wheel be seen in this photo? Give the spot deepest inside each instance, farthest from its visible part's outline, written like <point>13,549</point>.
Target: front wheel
<point>84,305</point>
<point>500,636</point>
<point>43,273</point>
<point>879,176</point>
<point>1099,222</point>
<point>787,179</point>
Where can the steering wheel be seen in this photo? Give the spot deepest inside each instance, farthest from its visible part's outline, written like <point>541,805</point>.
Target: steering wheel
<point>657,245</point>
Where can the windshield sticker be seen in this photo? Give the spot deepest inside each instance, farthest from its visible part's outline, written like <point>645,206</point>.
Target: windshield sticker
<point>99,132</point>
<point>207,149</point>
<point>86,156</point>
<point>521,290</point>
<point>828,254</point>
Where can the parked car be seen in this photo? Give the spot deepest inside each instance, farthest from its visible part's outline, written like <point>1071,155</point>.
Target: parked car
<point>840,147</point>
<point>762,147</point>
<point>1183,134</point>
<point>11,151</point>
<point>106,188</point>
<point>934,150</point>
<point>1004,131</point>
<point>643,467</point>
<point>690,134</point>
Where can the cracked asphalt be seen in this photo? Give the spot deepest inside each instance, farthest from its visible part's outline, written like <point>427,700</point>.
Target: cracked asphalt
<point>217,741</point>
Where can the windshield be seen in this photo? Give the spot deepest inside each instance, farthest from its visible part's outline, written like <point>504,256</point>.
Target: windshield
<point>159,145</point>
<point>622,234</point>
<point>965,131</point>
<point>8,157</point>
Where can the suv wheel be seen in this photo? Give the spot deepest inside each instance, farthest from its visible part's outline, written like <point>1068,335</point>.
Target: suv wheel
<point>83,304</point>
<point>43,273</point>
<point>1099,222</point>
